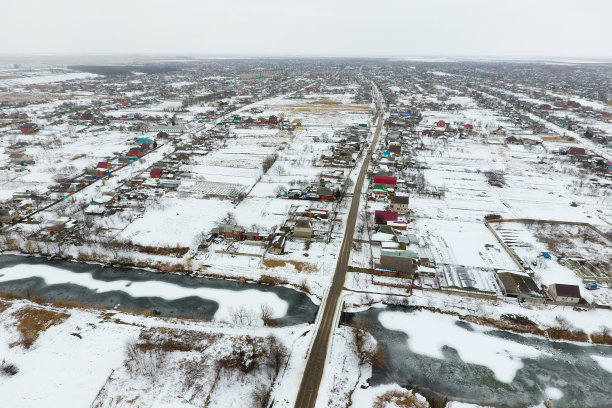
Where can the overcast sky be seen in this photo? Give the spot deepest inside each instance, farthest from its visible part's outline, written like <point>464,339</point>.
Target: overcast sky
<point>498,28</point>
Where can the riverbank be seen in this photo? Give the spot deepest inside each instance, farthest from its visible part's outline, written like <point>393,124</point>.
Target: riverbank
<point>551,322</point>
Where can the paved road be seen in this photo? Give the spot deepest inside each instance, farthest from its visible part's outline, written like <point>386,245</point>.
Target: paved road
<point>313,373</point>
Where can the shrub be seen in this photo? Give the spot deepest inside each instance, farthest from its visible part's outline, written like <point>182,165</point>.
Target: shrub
<point>399,399</point>
<point>246,354</point>
<point>604,336</point>
<point>9,369</point>
<point>303,286</point>
<point>558,333</point>
<point>268,162</point>
<point>10,296</point>
<point>143,360</point>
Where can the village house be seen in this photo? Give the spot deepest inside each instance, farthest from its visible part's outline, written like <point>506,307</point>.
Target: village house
<point>399,204</point>
<point>575,151</point>
<point>20,158</point>
<point>383,217</point>
<point>277,246</point>
<point>564,293</point>
<point>135,152</point>
<point>16,148</point>
<point>387,181</point>
<point>404,261</point>
<point>228,231</point>
<point>29,128</point>
<point>156,172</point>
<point>513,140</point>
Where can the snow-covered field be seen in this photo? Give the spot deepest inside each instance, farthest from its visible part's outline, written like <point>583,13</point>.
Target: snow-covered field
<point>85,360</point>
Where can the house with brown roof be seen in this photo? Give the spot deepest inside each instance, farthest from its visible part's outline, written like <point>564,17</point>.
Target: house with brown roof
<point>564,293</point>
<point>399,204</point>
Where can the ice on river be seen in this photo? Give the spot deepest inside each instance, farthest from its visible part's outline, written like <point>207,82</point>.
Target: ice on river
<point>228,300</point>
<point>429,332</point>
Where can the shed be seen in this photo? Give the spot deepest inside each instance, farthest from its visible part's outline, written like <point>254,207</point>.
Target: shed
<point>302,229</point>
<point>519,285</point>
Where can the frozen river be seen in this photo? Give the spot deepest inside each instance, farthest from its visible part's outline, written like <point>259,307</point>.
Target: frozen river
<point>160,293</point>
<point>447,357</point>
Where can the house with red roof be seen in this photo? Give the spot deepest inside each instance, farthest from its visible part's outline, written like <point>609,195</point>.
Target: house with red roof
<point>157,172</point>
<point>387,181</point>
<point>382,217</point>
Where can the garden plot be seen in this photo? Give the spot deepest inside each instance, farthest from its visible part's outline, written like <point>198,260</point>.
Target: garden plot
<point>328,109</point>
<point>201,188</point>
<point>463,243</point>
<point>531,189</point>
<point>176,221</point>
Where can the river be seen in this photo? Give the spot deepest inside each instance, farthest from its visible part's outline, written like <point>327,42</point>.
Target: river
<point>163,294</point>
<point>446,357</point>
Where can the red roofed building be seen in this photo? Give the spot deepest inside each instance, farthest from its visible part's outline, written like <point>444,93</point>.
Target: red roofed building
<point>135,152</point>
<point>29,128</point>
<point>388,181</point>
<point>578,151</point>
<point>382,217</point>
<point>157,173</point>
<point>103,168</point>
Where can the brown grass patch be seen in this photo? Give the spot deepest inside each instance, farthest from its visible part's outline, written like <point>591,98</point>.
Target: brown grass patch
<point>165,251</point>
<point>10,296</point>
<point>174,340</point>
<point>558,139</point>
<point>3,306</point>
<point>558,333</point>
<point>513,323</point>
<point>272,280</point>
<point>299,266</point>
<point>32,321</point>
<point>70,304</point>
<point>402,399</point>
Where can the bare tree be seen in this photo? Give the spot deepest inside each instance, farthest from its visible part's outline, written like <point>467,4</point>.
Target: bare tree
<point>266,314</point>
